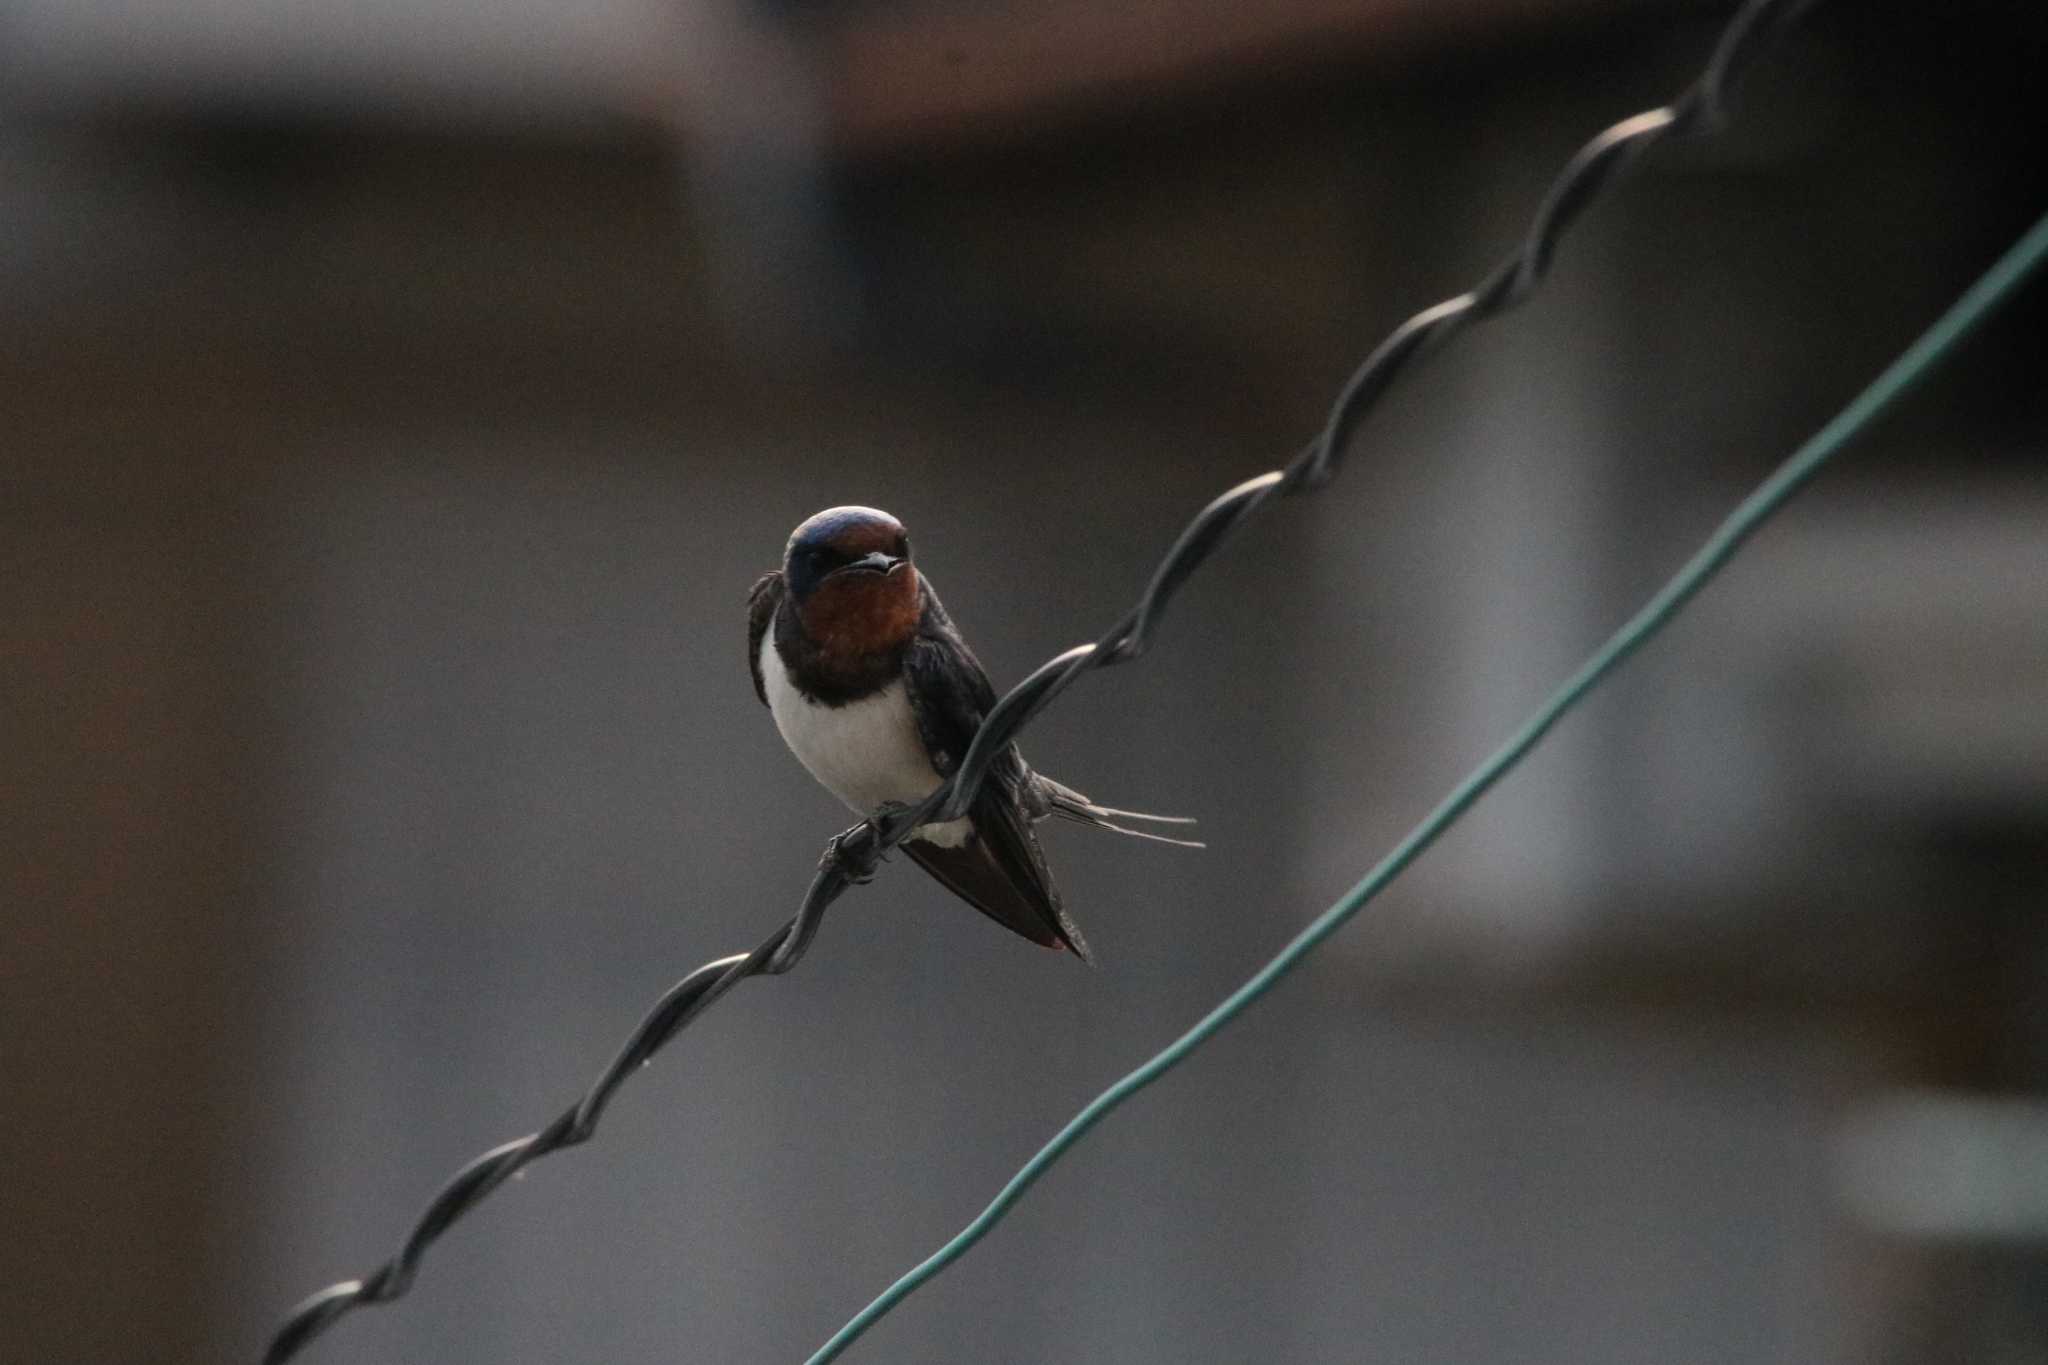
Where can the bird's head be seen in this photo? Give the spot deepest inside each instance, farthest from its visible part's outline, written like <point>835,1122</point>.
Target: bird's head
<point>848,571</point>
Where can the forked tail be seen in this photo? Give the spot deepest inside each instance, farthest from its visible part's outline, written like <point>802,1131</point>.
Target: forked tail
<point>1069,804</point>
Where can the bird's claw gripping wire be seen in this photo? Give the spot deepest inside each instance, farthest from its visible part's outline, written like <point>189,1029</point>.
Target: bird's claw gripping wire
<point>858,851</point>
<point>844,855</point>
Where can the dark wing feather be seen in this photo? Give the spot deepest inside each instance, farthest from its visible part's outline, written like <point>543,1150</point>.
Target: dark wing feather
<point>762,600</point>
<point>1001,870</point>
<point>949,689</point>
<point>976,875</point>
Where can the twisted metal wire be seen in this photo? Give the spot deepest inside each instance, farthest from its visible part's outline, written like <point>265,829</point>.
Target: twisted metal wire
<point>852,857</point>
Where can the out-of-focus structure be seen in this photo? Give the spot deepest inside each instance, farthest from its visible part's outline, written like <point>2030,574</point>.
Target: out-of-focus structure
<point>396,401</point>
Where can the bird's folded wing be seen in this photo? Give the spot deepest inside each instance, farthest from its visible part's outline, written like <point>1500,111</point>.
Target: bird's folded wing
<point>762,600</point>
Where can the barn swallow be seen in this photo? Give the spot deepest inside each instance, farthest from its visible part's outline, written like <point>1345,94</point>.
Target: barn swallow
<point>876,693</point>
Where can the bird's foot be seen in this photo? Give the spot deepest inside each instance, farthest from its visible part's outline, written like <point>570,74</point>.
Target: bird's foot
<point>839,853</point>
<point>845,851</point>
<point>885,813</point>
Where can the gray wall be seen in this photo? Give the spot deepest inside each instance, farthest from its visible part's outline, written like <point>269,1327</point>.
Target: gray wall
<point>380,496</point>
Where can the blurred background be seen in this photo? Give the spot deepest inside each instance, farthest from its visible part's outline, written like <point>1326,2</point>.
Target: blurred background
<point>397,400</point>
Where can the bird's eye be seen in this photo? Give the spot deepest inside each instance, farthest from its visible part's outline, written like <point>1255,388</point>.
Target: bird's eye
<point>902,546</point>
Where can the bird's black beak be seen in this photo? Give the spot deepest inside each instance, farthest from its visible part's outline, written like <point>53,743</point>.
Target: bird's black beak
<point>876,562</point>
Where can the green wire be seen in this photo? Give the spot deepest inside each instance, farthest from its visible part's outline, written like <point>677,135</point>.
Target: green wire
<point>1918,360</point>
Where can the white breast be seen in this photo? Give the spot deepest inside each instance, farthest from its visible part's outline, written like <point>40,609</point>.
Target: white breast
<point>867,752</point>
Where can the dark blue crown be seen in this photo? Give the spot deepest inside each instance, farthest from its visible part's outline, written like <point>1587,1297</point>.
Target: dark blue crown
<point>836,537</point>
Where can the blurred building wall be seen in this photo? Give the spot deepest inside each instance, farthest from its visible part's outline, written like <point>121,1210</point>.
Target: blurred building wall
<point>381,490</point>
